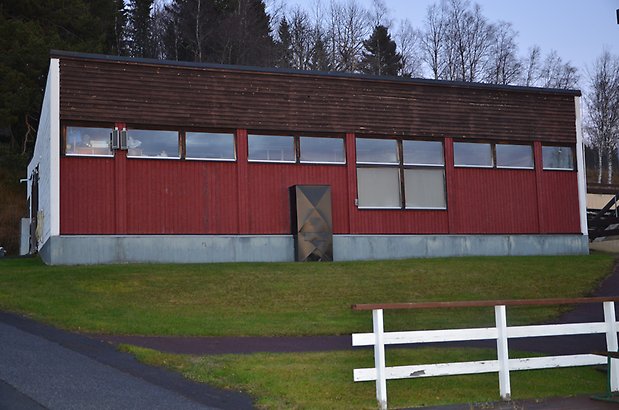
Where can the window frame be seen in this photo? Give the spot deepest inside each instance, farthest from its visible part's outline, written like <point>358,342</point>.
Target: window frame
<point>80,124</point>
<point>180,142</point>
<point>401,167</point>
<point>492,154</point>
<point>183,136</point>
<point>296,136</point>
<point>574,167</point>
<point>496,160</point>
<point>493,145</point>
<point>299,150</point>
<point>267,161</point>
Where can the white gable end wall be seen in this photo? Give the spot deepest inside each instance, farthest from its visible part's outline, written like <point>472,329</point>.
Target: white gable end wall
<point>47,158</point>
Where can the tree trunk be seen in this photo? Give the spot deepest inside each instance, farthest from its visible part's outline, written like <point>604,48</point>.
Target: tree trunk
<point>599,167</point>
<point>609,156</point>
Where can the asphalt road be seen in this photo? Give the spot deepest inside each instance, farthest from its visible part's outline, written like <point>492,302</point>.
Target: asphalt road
<point>42,367</point>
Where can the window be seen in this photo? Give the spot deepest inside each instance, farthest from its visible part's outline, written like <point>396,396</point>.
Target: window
<point>271,148</point>
<point>322,150</point>
<point>379,187</point>
<point>211,146</point>
<point>375,151</point>
<point>420,163</point>
<point>88,141</point>
<point>152,144</point>
<point>472,154</point>
<point>425,188</point>
<point>423,152</point>
<point>514,156</point>
<point>424,174</point>
<point>558,158</point>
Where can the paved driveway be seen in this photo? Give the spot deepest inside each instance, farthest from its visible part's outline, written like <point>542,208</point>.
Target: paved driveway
<point>42,367</point>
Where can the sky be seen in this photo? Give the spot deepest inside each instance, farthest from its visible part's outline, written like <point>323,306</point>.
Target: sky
<point>577,29</point>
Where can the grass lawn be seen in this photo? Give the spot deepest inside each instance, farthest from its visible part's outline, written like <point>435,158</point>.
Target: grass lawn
<point>249,299</point>
<point>324,380</point>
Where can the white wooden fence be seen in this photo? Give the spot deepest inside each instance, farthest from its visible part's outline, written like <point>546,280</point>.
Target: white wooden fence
<point>501,333</point>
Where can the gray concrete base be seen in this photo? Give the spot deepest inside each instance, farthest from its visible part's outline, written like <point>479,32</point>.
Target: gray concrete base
<point>365,247</point>
<point>96,249</point>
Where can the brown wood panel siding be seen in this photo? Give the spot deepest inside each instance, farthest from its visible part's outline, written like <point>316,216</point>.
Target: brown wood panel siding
<point>166,95</point>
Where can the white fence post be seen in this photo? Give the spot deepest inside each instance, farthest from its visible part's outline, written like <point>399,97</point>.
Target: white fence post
<point>502,351</point>
<point>379,358</point>
<point>611,343</point>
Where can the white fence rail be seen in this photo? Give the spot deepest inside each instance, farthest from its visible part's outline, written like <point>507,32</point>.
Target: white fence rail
<point>501,333</point>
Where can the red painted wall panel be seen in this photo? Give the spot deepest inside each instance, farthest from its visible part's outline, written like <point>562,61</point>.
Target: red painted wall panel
<point>368,221</point>
<point>559,209</point>
<point>491,201</point>
<point>204,197</point>
<point>180,197</point>
<point>269,204</point>
<point>87,195</point>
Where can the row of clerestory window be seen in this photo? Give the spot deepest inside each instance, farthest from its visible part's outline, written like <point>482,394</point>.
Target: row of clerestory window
<point>392,173</point>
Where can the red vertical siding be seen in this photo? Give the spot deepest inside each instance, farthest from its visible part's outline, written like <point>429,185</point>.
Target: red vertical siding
<point>164,199</point>
<point>559,209</point>
<point>493,201</point>
<point>369,221</point>
<point>120,192</point>
<point>87,196</point>
<point>243,204</point>
<point>267,188</point>
<point>452,198</point>
<point>351,175</point>
<point>174,197</point>
<point>149,196</point>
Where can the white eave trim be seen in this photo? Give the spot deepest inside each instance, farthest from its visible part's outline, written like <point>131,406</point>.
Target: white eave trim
<point>582,172</point>
<point>54,152</point>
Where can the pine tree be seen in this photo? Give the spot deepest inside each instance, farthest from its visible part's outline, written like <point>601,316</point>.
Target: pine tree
<point>284,53</point>
<point>380,56</point>
<point>319,59</point>
<point>140,22</point>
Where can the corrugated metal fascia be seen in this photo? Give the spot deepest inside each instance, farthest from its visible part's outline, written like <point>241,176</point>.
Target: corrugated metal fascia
<point>304,73</point>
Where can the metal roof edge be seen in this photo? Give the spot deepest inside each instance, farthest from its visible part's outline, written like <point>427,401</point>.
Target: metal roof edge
<point>332,74</point>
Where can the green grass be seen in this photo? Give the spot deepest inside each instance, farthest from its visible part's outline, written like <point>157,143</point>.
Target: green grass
<point>324,380</point>
<point>286,298</point>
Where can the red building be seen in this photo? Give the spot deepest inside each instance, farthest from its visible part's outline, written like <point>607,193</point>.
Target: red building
<point>147,160</point>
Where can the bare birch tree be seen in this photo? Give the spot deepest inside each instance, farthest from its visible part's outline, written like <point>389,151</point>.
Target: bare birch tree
<point>602,111</point>
<point>348,26</point>
<point>409,42</point>
<point>301,39</point>
<point>432,40</point>
<point>504,65</point>
<point>531,66</point>
<point>554,73</point>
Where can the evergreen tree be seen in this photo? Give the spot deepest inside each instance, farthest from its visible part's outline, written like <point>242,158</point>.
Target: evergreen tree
<point>28,30</point>
<point>140,23</point>
<point>118,38</point>
<point>243,35</point>
<point>320,58</point>
<point>283,45</point>
<point>380,56</point>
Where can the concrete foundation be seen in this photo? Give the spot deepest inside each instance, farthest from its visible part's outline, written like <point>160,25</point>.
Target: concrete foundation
<point>99,249</point>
